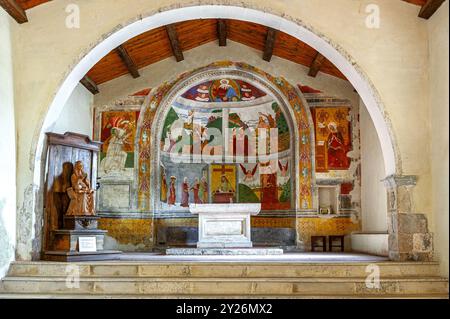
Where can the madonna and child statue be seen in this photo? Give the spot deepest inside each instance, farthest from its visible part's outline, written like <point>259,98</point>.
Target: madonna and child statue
<point>81,195</point>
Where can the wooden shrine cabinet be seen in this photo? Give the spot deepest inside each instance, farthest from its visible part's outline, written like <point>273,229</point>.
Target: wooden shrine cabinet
<point>63,233</point>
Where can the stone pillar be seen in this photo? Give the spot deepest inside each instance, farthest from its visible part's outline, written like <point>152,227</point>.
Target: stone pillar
<point>409,238</point>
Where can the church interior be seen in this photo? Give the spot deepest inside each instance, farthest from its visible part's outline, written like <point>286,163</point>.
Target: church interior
<point>225,149</point>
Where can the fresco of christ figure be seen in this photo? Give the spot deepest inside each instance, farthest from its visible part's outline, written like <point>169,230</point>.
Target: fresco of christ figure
<point>225,92</point>
<point>225,186</point>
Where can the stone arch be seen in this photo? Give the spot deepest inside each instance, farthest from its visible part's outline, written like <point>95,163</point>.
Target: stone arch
<point>164,16</point>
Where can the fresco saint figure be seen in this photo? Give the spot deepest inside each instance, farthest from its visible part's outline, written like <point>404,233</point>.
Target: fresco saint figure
<point>203,191</point>
<point>185,193</point>
<point>163,188</point>
<point>116,157</point>
<point>196,189</point>
<point>172,192</point>
<point>337,150</point>
<point>269,197</point>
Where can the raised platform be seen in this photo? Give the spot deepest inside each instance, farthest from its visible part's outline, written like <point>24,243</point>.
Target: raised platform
<point>224,251</point>
<point>284,276</point>
<point>73,256</point>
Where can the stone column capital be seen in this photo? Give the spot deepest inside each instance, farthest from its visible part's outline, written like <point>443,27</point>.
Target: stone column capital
<point>394,181</point>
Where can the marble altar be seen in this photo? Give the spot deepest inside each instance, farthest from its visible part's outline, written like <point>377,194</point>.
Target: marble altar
<point>224,225</point>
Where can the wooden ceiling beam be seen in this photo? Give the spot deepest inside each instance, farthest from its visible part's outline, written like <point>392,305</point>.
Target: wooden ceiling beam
<point>430,8</point>
<point>270,44</point>
<point>89,84</point>
<point>174,42</point>
<point>128,61</point>
<point>222,32</point>
<point>14,10</point>
<point>154,46</point>
<point>316,65</point>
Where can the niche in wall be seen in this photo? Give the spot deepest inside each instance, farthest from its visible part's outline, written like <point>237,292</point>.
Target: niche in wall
<point>328,199</point>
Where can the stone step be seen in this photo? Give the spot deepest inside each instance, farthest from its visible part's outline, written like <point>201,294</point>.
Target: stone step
<point>141,296</point>
<point>111,286</point>
<point>223,269</point>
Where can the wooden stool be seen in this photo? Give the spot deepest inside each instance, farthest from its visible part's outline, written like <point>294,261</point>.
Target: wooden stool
<point>332,239</point>
<point>315,242</point>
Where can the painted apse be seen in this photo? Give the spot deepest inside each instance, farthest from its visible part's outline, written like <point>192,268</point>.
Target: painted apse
<point>227,133</point>
<point>230,170</point>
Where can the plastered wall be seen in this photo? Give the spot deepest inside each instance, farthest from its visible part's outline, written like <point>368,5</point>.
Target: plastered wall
<point>7,148</point>
<point>77,114</point>
<point>394,57</point>
<point>439,102</point>
<point>373,191</point>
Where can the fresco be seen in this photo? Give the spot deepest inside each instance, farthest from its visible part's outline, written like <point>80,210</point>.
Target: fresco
<point>223,183</point>
<point>250,109</point>
<point>118,131</point>
<point>253,118</point>
<point>179,129</point>
<point>182,184</point>
<point>261,183</point>
<point>265,181</point>
<point>282,186</point>
<point>223,90</point>
<point>333,138</point>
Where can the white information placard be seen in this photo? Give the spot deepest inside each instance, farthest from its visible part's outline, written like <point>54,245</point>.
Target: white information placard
<point>87,244</point>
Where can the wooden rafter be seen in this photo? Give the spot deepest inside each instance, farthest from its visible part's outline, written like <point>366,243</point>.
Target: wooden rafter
<point>89,84</point>
<point>14,10</point>
<point>222,32</point>
<point>128,61</point>
<point>270,44</point>
<point>174,42</point>
<point>154,46</point>
<point>316,65</point>
<point>430,8</point>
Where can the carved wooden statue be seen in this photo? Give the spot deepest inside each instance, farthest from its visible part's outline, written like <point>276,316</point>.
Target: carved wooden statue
<point>81,195</point>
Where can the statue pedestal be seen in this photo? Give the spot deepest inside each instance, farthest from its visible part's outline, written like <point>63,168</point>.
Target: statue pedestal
<point>224,225</point>
<point>65,243</point>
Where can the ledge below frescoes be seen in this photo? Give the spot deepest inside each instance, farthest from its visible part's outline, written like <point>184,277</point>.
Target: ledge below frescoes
<point>144,234</point>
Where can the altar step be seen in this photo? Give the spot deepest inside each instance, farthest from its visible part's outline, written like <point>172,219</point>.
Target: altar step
<point>221,280</point>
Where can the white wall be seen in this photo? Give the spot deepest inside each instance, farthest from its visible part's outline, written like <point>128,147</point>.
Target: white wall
<point>373,191</point>
<point>77,115</point>
<point>7,148</point>
<point>439,104</point>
